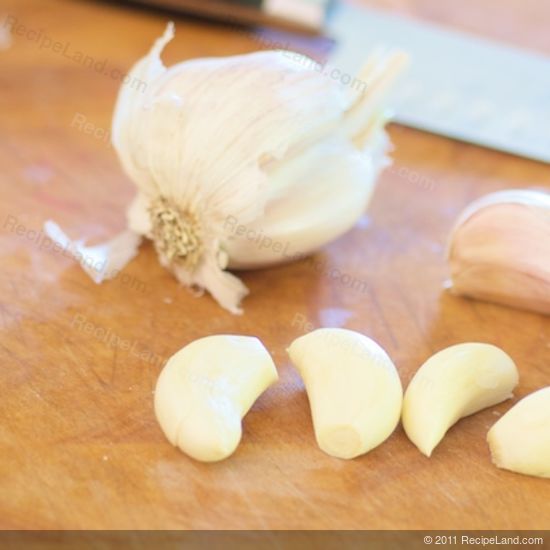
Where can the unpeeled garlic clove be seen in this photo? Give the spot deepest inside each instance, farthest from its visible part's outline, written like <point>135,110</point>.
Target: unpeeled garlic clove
<point>520,440</point>
<point>499,250</point>
<point>455,382</point>
<point>353,388</point>
<point>294,228</point>
<point>205,390</point>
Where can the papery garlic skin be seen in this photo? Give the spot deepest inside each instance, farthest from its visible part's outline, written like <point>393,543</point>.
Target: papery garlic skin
<point>499,250</point>
<point>520,440</point>
<point>103,261</point>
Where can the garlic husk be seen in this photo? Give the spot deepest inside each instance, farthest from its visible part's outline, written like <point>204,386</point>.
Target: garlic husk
<point>499,250</point>
<point>100,262</point>
<point>261,139</point>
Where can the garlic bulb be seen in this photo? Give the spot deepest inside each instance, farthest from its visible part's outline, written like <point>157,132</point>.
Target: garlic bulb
<point>499,250</point>
<point>246,161</point>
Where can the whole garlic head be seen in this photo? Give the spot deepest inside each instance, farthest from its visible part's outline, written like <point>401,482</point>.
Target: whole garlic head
<point>231,153</point>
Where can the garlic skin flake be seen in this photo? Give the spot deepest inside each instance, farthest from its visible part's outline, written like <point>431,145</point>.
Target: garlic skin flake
<point>103,261</point>
<point>499,250</point>
<point>262,142</point>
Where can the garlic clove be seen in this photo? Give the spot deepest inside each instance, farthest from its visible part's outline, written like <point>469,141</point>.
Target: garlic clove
<point>353,388</point>
<point>206,388</point>
<point>520,440</point>
<point>455,382</point>
<point>499,250</point>
<point>298,224</point>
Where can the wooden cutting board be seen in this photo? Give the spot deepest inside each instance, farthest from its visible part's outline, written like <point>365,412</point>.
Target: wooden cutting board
<point>80,447</point>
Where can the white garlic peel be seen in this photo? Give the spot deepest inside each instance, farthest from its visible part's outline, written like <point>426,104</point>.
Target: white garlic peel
<point>499,250</point>
<point>224,151</point>
<point>353,388</point>
<point>103,261</point>
<point>455,382</point>
<point>205,390</point>
<point>520,440</point>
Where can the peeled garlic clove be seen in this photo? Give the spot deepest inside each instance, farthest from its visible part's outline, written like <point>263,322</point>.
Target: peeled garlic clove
<point>455,382</point>
<point>353,388</point>
<point>205,390</point>
<point>520,440</point>
<point>499,250</point>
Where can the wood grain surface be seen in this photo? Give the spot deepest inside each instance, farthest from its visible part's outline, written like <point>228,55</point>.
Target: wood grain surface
<point>79,444</point>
